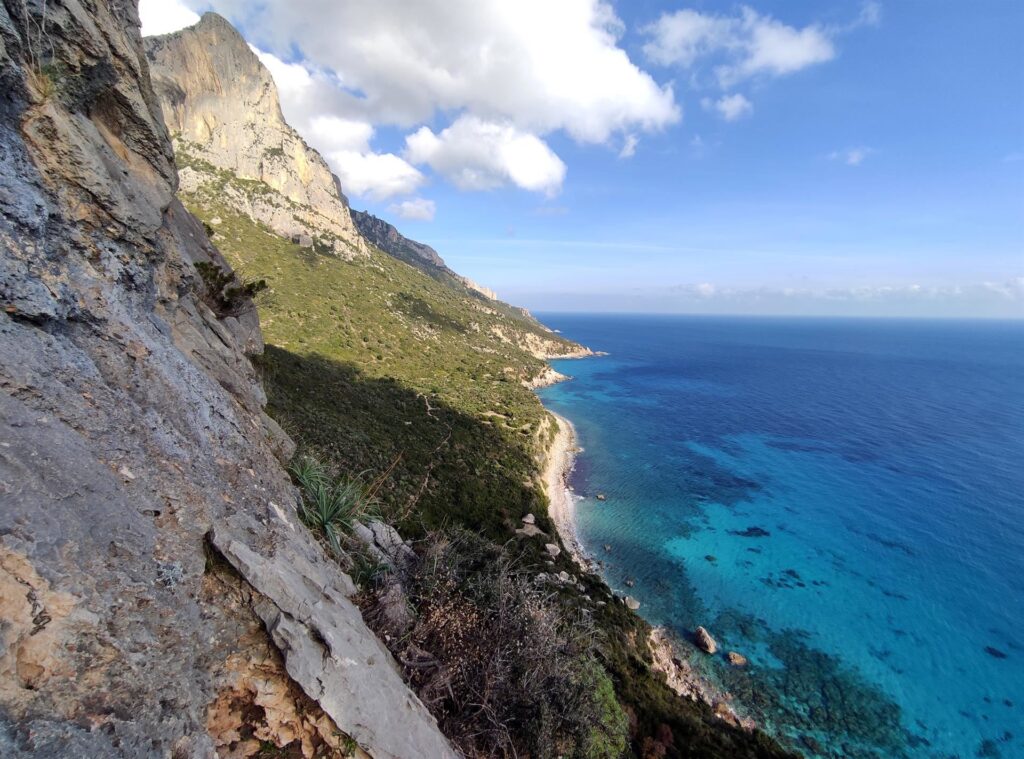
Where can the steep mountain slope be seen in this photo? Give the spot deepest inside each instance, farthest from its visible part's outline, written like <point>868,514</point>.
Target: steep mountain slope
<point>383,364</point>
<point>158,595</point>
<point>423,257</point>
<point>405,317</point>
<point>219,99</point>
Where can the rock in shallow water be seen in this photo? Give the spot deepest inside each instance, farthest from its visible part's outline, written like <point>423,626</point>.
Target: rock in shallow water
<point>704,641</point>
<point>736,660</point>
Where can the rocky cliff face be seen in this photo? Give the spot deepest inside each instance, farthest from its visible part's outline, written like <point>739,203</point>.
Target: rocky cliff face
<point>158,596</point>
<point>222,109</point>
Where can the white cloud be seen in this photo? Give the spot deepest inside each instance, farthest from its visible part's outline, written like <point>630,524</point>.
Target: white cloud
<point>312,104</point>
<point>480,155</point>
<point>417,209</point>
<point>376,175</point>
<point>745,46</point>
<point>165,16</point>
<point>526,69</point>
<point>851,156</point>
<point>538,65</point>
<point>1010,291</point>
<point>729,107</point>
<point>629,146</point>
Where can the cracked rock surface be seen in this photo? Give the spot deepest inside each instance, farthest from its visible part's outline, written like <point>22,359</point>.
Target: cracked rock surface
<point>135,456</point>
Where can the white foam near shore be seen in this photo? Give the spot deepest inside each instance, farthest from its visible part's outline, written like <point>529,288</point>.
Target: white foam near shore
<point>562,501</point>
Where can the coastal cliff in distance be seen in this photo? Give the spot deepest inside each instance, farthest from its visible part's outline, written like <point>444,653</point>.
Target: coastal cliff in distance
<point>222,108</point>
<point>417,254</point>
<point>159,595</point>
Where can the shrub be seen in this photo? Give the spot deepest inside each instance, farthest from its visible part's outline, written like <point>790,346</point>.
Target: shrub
<point>224,293</point>
<point>330,507</point>
<point>506,671</point>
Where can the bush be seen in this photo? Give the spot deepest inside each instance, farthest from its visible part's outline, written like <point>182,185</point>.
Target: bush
<point>224,293</point>
<point>503,668</point>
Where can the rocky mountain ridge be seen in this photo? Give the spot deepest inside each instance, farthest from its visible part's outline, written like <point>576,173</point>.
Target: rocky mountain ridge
<point>386,237</point>
<point>220,104</point>
<point>159,595</point>
<point>231,141</point>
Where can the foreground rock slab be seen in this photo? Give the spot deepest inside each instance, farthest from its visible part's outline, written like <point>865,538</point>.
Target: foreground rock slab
<point>131,431</point>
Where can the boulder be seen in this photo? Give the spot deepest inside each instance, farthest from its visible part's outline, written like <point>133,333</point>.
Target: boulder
<point>529,519</point>
<point>552,550</point>
<point>602,497</point>
<point>632,603</point>
<point>736,660</point>
<point>529,531</point>
<point>704,641</point>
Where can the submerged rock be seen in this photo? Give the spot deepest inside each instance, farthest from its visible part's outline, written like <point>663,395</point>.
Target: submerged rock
<point>704,641</point>
<point>736,660</point>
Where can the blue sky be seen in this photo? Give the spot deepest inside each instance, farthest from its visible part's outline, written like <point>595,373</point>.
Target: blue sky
<point>774,157</point>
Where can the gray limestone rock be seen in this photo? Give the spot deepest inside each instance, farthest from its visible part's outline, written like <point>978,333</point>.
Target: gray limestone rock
<point>131,428</point>
<point>221,104</point>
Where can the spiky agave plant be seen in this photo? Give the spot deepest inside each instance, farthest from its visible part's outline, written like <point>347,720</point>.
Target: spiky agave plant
<point>331,507</point>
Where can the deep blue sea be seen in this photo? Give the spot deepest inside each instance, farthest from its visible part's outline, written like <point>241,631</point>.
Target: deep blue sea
<point>841,501</point>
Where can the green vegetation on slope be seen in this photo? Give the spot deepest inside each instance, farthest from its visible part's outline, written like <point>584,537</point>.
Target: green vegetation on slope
<point>373,366</point>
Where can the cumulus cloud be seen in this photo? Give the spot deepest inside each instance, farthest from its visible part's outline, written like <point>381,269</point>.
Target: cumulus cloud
<point>746,45</point>
<point>375,175</point>
<point>542,66</point>
<point>729,107</point>
<point>851,156</point>
<point>416,209</point>
<point>311,103</point>
<point>531,66</point>
<point>480,155</point>
<point>165,16</point>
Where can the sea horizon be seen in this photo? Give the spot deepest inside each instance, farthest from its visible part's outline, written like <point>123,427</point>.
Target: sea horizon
<point>758,483</point>
<point>546,314</point>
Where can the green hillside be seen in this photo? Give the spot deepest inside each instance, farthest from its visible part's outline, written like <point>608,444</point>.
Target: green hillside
<point>374,366</point>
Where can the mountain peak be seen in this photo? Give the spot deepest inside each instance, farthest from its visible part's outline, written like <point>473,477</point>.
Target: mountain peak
<point>221,106</point>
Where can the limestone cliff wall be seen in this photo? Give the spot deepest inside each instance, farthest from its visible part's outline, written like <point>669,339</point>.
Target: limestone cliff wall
<point>221,104</point>
<point>158,596</point>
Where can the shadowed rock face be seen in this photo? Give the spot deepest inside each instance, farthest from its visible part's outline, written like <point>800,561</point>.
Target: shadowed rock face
<point>151,561</point>
<point>221,106</point>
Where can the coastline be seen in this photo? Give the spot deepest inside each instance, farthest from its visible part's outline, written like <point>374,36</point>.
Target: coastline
<point>561,456</point>
<point>670,654</point>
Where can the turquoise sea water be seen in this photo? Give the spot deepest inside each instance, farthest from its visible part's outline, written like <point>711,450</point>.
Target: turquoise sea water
<point>842,501</point>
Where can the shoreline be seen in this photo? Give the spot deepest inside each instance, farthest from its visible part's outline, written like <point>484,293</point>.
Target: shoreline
<point>670,653</point>
<point>558,464</point>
